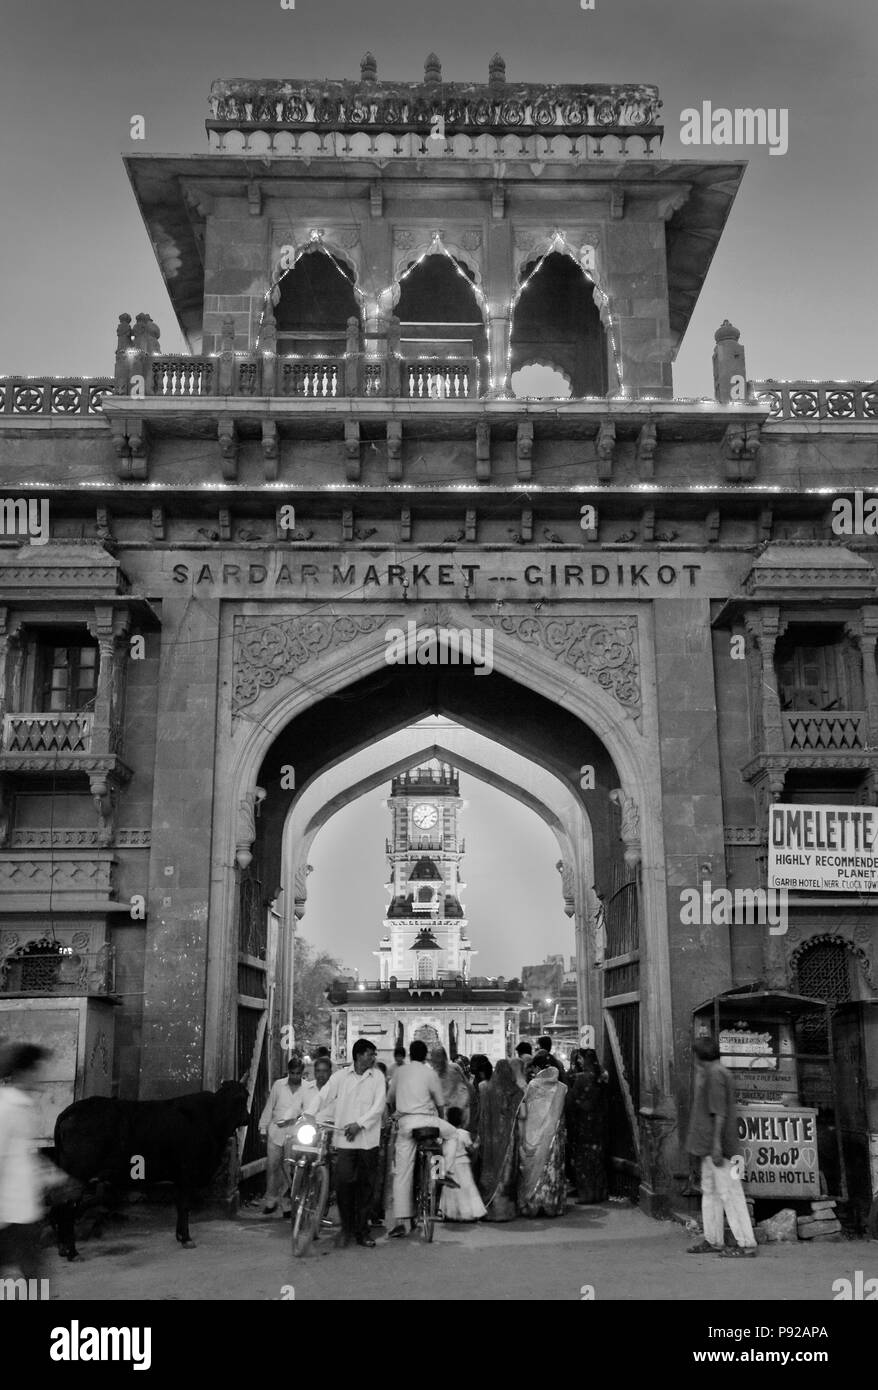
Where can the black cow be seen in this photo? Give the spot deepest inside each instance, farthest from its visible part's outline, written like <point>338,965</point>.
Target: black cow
<point>122,1142</point>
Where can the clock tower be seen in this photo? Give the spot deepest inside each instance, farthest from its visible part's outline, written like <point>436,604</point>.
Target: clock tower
<point>425,935</point>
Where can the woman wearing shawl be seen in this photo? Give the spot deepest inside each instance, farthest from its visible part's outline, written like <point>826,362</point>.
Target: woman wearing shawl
<point>542,1187</point>
<point>455,1087</point>
<point>499,1100</point>
<point>586,1115</point>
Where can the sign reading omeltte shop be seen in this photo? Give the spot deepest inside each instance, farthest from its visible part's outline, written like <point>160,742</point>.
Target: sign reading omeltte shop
<point>780,1151</point>
<point>828,849</point>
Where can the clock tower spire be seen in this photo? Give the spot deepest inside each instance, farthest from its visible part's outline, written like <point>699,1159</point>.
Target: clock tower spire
<point>425,927</point>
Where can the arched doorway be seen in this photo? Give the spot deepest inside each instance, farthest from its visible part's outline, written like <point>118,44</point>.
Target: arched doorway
<point>556,324</point>
<point>535,710</point>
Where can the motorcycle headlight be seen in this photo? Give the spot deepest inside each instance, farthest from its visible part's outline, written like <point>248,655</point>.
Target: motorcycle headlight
<point>305,1133</point>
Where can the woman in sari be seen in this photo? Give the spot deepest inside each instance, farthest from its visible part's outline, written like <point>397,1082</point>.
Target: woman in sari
<point>542,1187</point>
<point>586,1114</point>
<point>499,1101</point>
<point>455,1087</point>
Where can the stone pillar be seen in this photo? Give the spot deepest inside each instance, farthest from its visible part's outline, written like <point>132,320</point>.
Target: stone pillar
<point>729,368</point>
<point>110,632</point>
<point>499,332</point>
<point>9,652</point>
<point>764,628</point>
<point>864,632</point>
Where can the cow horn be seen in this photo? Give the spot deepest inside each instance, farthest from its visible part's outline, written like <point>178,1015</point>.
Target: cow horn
<point>245,1079</point>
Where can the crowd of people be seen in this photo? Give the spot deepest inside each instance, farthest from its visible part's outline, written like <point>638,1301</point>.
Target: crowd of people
<point>519,1136</point>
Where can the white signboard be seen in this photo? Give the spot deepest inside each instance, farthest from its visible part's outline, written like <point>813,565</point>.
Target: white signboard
<point>830,849</point>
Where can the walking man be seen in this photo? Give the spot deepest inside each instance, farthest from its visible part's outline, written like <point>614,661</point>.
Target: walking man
<point>713,1137</point>
<point>353,1101</point>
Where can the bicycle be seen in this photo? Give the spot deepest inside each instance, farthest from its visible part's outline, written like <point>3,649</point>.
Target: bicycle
<point>307,1151</point>
<point>429,1179</point>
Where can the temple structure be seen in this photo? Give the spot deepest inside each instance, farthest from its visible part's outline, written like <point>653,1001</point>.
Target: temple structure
<point>193,667</point>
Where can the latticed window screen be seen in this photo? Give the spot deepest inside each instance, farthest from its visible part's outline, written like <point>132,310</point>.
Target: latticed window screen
<point>823,973</point>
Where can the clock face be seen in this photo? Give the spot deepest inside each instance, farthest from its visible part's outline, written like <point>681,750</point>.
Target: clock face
<point>425,816</point>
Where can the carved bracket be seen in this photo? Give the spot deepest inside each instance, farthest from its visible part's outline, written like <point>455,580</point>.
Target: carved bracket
<point>740,447</point>
<point>630,831</point>
<point>247,807</point>
<point>647,441</point>
<point>269,450</point>
<point>394,450</point>
<point>483,450</point>
<point>524,447</point>
<point>227,435</point>
<point>105,795</point>
<point>131,444</point>
<point>568,887</point>
<point>605,448</point>
<point>352,450</point>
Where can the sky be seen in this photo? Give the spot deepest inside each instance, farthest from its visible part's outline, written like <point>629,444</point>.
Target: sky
<point>795,270</point>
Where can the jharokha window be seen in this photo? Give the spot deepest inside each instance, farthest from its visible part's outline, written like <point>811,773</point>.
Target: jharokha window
<point>66,673</point>
<point>818,669</point>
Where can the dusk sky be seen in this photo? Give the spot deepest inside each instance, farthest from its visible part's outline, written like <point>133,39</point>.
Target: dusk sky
<point>795,270</point>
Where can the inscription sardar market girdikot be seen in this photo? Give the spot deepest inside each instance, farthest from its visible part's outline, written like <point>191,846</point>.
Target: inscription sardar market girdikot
<point>432,574</point>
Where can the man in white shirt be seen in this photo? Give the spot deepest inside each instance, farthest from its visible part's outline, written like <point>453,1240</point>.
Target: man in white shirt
<point>353,1102</point>
<point>288,1098</point>
<point>416,1093</point>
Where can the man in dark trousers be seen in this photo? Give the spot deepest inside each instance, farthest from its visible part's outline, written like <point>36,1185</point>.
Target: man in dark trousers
<point>713,1138</point>
<point>353,1101</point>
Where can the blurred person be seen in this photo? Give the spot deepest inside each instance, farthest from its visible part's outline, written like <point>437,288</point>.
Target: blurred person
<point>586,1112</point>
<point>455,1087</point>
<point>713,1138</point>
<point>289,1097</point>
<point>542,1186</point>
<point>25,1175</point>
<point>461,1202</point>
<point>499,1103</point>
<point>523,1054</point>
<point>398,1061</point>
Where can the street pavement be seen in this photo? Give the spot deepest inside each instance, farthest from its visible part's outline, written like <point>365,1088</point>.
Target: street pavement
<point>614,1250</point>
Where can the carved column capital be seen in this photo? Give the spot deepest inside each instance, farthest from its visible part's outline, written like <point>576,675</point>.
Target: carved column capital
<point>630,830</point>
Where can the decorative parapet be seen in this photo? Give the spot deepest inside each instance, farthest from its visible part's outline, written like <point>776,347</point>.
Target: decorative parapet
<point>434,108</point>
<point>817,400</point>
<point>70,396</point>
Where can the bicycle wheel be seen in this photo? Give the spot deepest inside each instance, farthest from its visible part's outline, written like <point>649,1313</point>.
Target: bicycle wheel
<point>426,1199</point>
<point>313,1188</point>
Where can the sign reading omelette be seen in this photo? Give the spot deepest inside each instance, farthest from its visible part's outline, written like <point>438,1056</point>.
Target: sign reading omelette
<point>830,849</point>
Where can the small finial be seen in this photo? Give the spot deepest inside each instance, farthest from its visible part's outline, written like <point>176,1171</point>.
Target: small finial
<point>496,71</point>
<point>726,330</point>
<point>368,68</point>
<point>432,69</point>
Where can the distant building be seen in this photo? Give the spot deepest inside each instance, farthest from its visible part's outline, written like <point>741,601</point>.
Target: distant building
<point>424,988</point>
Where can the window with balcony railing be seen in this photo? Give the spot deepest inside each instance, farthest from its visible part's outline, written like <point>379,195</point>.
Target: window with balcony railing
<point>66,673</point>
